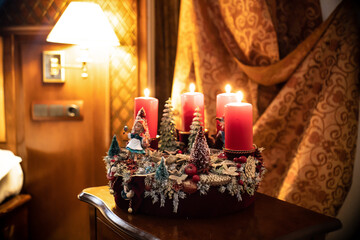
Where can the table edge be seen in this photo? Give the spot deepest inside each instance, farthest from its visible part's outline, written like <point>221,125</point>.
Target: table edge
<point>113,218</point>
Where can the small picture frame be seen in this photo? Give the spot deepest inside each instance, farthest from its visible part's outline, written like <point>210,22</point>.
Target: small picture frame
<point>52,64</point>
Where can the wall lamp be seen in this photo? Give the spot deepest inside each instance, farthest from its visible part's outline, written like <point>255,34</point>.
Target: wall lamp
<point>83,24</point>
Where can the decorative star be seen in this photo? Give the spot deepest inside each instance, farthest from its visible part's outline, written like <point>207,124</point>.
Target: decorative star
<point>224,164</point>
<point>230,171</point>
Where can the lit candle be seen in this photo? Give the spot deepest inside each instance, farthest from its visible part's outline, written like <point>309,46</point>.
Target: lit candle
<point>221,100</point>
<point>189,102</point>
<point>150,106</point>
<point>238,125</point>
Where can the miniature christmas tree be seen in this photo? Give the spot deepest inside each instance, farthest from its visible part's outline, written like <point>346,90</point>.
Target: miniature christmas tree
<point>167,128</point>
<point>114,148</point>
<point>200,153</point>
<point>195,126</point>
<point>161,173</point>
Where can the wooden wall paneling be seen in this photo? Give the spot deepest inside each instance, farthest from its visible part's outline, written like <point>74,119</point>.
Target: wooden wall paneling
<point>143,45</point>
<point>9,94</point>
<point>101,113</point>
<point>60,157</point>
<point>2,101</point>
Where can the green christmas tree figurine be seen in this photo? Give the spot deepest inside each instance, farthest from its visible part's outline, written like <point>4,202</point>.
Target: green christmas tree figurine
<point>200,153</point>
<point>161,173</point>
<point>194,128</point>
<point>167,128</point>
<point>114,148</point>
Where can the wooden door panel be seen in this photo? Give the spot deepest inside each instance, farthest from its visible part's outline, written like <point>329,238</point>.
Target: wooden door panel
<point>63,157</point>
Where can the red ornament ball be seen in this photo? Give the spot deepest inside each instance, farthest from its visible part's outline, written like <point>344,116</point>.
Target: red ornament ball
<point>190,169</point>
<point>179,152</point>
<point>242,159</point>
<point>238,165</point>
<point>241,182</point>
<point>236,160</point>
<point>196,178</point>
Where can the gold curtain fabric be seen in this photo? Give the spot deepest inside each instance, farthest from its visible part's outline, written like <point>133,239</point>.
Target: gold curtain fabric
<point>309,128</point>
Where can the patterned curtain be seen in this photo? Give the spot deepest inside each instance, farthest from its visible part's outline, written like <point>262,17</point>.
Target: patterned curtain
<point>302,77</point>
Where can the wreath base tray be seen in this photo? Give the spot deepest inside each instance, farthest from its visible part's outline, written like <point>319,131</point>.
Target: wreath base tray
<point>214,203</point>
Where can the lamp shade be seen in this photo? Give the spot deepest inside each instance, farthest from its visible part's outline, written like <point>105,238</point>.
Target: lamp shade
<point>85,24</point>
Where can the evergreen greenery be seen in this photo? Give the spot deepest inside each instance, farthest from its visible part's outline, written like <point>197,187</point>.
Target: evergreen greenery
<point>114,147</point>
<point>161,173</point>
<point>167,128</point>
<point>194,128</point>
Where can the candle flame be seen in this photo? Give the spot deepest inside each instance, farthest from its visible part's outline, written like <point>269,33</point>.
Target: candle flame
<point>146,92</point>
<point>239,96</point>
<point>192,87</point>
<point>228,88</point>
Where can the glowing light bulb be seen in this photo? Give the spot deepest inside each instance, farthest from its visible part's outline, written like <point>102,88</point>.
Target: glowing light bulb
<point>239,96</point>
<point>228,88</point>
<point>147,92</point>
<point>192,87</point>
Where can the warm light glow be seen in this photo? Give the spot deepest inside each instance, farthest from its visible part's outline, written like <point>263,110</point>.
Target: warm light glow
<point>228,88</point>
<point>146,92</point>
<point>239,96</point>
<point>85,24</point>
<point>192,87</point>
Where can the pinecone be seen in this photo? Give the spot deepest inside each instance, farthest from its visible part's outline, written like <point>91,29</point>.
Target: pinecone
<point>258,155</point>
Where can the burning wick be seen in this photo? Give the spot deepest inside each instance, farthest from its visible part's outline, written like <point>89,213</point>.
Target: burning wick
<point>192,87</point>
<point>227,88</point>
<point>146,92</point>
<point>239,96</point>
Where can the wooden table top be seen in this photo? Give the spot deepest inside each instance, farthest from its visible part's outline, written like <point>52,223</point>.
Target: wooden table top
<point>267,218</point>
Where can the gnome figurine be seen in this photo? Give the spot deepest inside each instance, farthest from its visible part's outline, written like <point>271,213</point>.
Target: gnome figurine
<point>139,136</point>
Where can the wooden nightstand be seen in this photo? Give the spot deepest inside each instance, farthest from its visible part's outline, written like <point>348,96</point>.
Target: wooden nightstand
<point>14,218</point>
<point>267,218</point>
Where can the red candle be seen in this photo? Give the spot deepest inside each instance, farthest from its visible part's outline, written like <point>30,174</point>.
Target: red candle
<point>221,100</point>
<point>189,102</point>
<point>238,126</point>
<point>150,106</point>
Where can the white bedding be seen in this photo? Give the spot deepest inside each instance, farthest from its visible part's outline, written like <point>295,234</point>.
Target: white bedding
<point>11,174</point>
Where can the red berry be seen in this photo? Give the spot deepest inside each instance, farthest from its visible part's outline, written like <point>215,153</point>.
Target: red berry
<point>242,159</point>
<point>222,155</point>
<point>238,165</point>
<point>236,160</point>
<point>179,152</point>
<point>241,182</point>
<point>112,160</point>
<point>196,178</point>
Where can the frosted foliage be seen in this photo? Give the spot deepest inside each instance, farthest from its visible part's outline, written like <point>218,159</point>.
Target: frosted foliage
<point>200,153</point>
<point>194,128</point>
